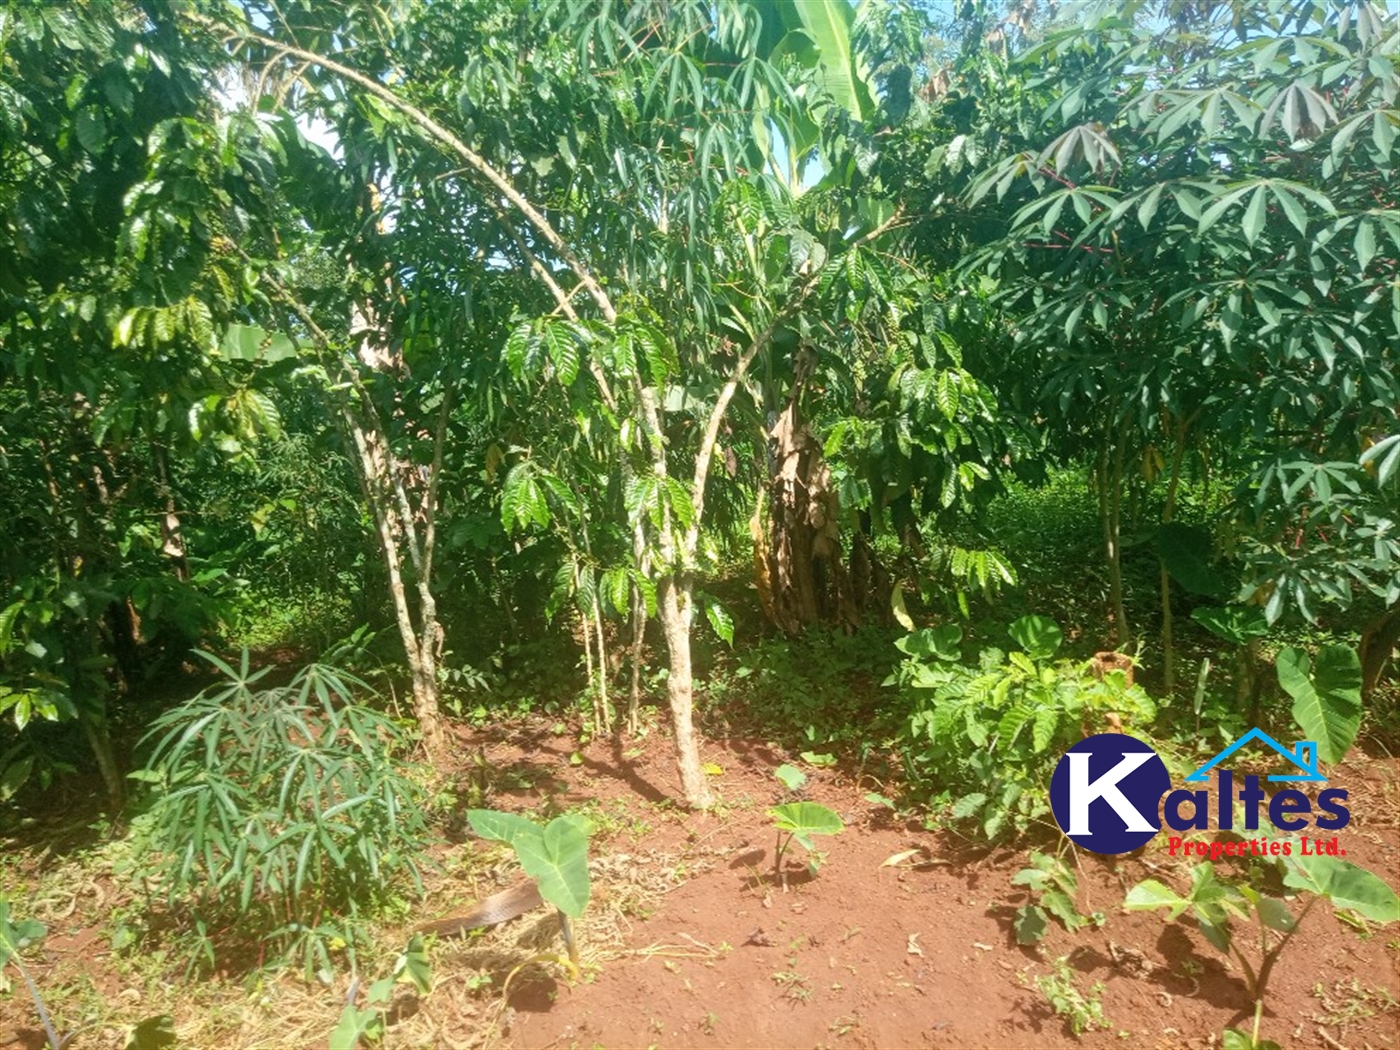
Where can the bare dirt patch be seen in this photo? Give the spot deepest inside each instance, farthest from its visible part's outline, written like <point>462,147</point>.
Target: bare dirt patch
<point>919,954</point>
<point>691,942</point>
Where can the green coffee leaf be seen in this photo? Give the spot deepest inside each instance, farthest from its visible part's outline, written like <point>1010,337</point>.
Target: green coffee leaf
<point>1039,636</point>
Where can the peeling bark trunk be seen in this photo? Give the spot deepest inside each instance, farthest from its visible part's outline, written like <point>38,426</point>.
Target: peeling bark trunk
<point>805,577</point>
<point>675,609</point>
<point>419,649</point>
<point>808,581</point>
<point>1377,643</point>
<point>388,481</point>
<point>99,738</point>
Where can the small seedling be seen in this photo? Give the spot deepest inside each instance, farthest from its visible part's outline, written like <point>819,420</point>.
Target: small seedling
<point>800,821</point>
<point>1052,888</point>
<point>794,985</point>
<point>555,856</point>
<point>1347,1002</point>
<point>356,1025</point>
<point>1081,1012</point>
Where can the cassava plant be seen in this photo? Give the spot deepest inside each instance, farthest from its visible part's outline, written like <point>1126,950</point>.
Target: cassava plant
<point>1215,902</point>
<point>280,813</point>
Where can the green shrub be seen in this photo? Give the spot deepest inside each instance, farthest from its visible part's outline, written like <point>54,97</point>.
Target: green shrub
<point>280,813</point>
<point>985,739</point>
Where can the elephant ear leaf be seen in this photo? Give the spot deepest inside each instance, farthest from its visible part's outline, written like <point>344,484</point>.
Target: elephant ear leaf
<point>555,856</point>
<point>1346,886</point>
<point>1237,624</point>
<point>509,828</point>
<point>1327,701</point>
<point>558,862</point>
<point>1185,552</point>
<point>805,819</point>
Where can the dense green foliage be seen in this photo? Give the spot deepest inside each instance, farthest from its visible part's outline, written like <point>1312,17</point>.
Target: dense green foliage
<point>986,738</point>
<point>514,340</point>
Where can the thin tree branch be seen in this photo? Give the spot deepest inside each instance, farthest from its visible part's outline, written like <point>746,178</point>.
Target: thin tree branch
<point>474,160</point>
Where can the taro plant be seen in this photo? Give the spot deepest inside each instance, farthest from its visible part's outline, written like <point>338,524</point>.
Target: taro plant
<point>1326,696</point>
<point>985,738</point>
<point>555,855</point>
<point>798,822</point>
<point>1215,903</point>
<point>280,813</point>
<point>16,935</point>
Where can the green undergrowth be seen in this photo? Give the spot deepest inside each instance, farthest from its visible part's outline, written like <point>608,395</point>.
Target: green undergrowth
<point>818,693</point>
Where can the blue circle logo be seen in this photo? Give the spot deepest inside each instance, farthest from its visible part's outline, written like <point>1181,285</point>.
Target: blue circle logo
<point>1105,793</point>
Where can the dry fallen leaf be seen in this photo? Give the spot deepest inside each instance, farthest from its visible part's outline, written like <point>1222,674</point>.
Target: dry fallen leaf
<point>914,948</point>
<point>900,857</point>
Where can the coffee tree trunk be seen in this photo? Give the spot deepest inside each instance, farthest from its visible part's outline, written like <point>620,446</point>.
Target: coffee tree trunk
<point>674,600</point>
<point>1377,643</point>
<point>1112,453</point>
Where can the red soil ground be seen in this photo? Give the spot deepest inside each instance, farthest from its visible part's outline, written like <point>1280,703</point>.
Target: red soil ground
<point>921,954</point>
<point>689,943</point>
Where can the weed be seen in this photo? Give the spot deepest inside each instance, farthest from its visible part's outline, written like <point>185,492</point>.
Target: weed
<point>1052,888</point>
<point>708,1022</point>
<point>357,1025</point>
<point>1081,1012</point>
<point>843,1025</point>
<point>1347,1002</point>
<point>793,984</point>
